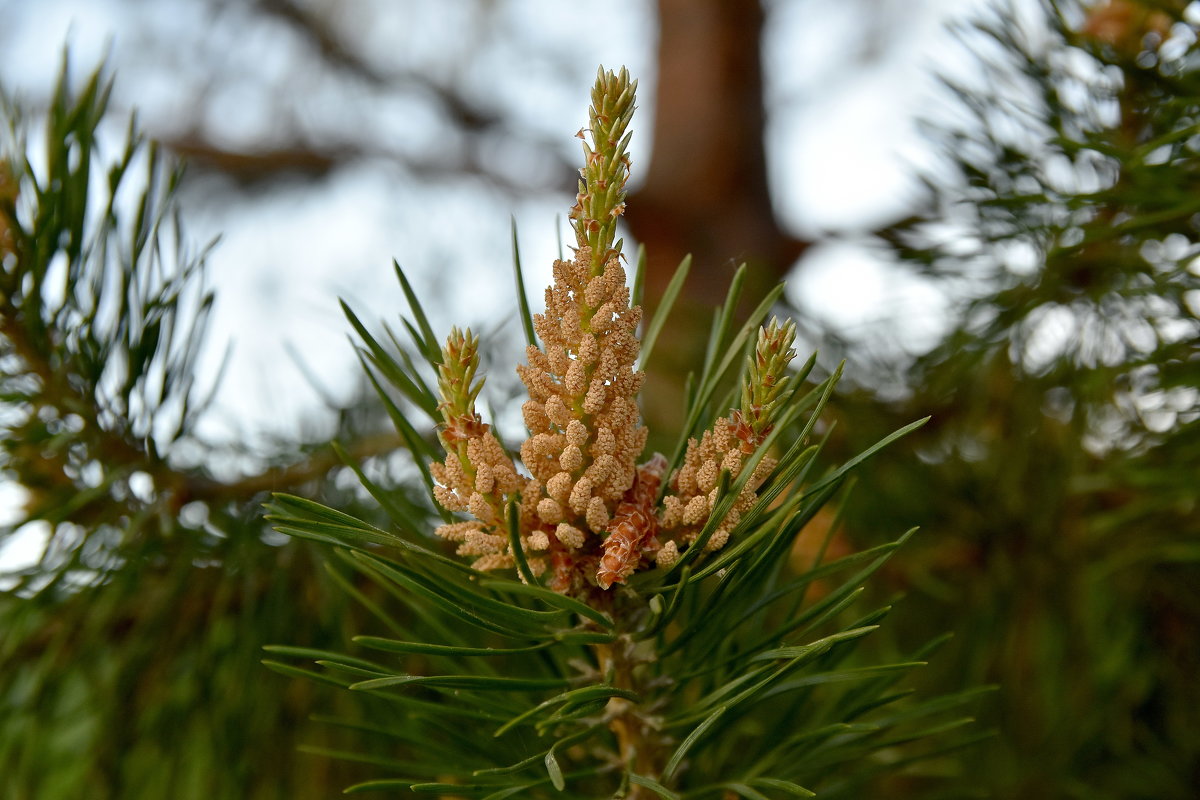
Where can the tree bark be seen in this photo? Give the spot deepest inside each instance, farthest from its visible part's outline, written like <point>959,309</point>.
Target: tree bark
<point>706,190</point>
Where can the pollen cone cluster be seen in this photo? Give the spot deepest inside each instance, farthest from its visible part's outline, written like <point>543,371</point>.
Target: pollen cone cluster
<point>725,447</point>
<point>582,414</point>
<point>585,511</point>
<point>477,476</point>
<point>584,426</point>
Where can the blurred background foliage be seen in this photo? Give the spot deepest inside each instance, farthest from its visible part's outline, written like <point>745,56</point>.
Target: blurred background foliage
<point>1055,485</point>
<point>1058,473</point>
<point>129,647</point>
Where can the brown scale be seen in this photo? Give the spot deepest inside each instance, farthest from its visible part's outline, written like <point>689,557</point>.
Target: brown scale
<point>461,428</point>
<point>562,565</point>
<point>634,527</point>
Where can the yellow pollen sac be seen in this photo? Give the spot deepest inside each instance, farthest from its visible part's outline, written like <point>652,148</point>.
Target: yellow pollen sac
<point>558,412</point>
<point>549,510</point>
<point>667,555</point>
<point>597,514</point>
<point>577,433</point>
<point>569,535</point>
<point>571,458</point>
<point>696,510</point>
<point>581,495</point>
<point>560,486</point>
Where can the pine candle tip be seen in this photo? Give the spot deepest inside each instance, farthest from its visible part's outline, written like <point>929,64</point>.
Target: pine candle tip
<point>766,376</point>
<point>457,385</point>
<point>601,196</point>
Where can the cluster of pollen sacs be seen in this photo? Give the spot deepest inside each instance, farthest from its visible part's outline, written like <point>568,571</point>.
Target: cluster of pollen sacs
<point>582,413</point>
<point>585,435</point>
<point>586,511</point>
<point>477,475</point>
<point>687,507</point>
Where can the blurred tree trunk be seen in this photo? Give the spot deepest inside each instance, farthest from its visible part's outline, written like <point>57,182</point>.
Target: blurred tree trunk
<point>706,190</point>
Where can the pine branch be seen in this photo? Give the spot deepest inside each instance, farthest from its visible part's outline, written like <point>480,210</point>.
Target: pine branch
<point>664,629</point>
<point>292,477</point>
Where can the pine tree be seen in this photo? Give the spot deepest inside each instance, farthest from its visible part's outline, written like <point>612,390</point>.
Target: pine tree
<point>604,621</point>
<point>615,623</point>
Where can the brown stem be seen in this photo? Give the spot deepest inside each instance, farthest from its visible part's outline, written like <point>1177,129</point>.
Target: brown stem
<point>291,476</point>
<point>118,451</point>
<point>637,747</point>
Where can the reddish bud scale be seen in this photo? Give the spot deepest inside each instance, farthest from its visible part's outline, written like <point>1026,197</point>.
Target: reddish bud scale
<point>742,430</point>
<point>634,527</point>
<point>461,428</point>
<point>562,565</point>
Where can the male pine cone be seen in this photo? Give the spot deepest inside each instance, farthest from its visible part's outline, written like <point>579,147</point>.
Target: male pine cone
<point>586,511</point>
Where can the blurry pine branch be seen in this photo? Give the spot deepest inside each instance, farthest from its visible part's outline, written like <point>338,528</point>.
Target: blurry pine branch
<point>1057,478</point>
<point>127,646</point>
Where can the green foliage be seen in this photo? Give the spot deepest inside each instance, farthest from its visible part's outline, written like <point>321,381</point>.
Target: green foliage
<point>734,674</point>
<point>127,663</point>
<point>128,648</point>
<point>1056,480</point>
